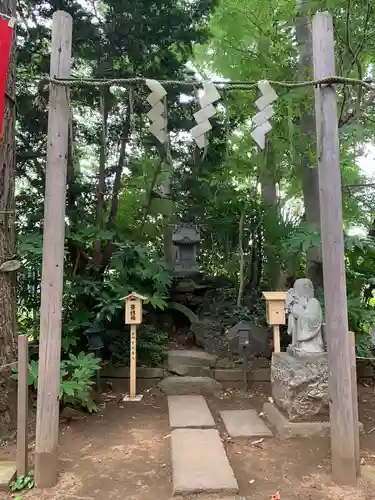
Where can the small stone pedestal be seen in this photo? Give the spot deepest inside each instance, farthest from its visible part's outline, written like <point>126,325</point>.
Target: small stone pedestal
<point>300,394</point>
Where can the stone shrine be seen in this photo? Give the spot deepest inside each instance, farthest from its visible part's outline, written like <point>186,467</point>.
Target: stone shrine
<point>299,377</point>
<point>186,239</point>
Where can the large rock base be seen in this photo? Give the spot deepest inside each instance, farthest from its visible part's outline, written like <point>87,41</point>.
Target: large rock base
<point>300,386</point>
<point>287,430</point>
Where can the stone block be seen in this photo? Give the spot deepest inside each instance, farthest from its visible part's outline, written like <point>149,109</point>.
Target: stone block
<point>124,372</point>
<point>364,370</point>
<point>260,375</point>
<point>236,375</point>
<point>7,474</point>
<point>258,339</point>
<point>228,375</point>
<point>175,386</point>
<point>244,423</point>
<point>177,369</point>
<point>368,472</point>
<point>208,333</point>
<point>300,386</point>
<point>190,371</point>
<point>191,358</point>
<point>199,463</point>
<point>260,363</point>
<point>286,429</point>
<point>189,412</point>
<point>150,372</point>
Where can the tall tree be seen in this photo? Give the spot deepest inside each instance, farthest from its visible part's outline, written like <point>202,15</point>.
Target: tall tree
<point>8,349</point>
<point>254,40</point>
<point>268,182</point>
<point>309,170</point>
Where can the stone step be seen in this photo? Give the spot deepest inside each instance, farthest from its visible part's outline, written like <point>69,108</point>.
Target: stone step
<point>221,374</point>
<point>190,370</point>
<point>244,423</point>
<point>199,463</point>
<point>178,386</point>
<point>190,358</point>
<point>189,411</point>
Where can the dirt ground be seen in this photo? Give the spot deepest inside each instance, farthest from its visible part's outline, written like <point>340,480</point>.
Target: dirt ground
<point>124,453</point>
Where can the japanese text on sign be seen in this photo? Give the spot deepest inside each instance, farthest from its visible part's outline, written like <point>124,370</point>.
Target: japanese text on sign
<point>132,312</point>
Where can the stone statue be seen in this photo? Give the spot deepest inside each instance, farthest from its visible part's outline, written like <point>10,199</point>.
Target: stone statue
<point>304,319</point>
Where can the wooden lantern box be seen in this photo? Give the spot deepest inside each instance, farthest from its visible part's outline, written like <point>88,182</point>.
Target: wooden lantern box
<point>275,306</point>
<point>275,311</point>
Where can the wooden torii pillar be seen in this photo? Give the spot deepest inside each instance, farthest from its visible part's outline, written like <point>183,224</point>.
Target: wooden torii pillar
<point>47,422</point>
<point>341,356</point>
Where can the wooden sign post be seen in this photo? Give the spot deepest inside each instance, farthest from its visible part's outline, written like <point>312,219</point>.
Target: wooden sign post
<point>275,303</point>
<point>133,317</point>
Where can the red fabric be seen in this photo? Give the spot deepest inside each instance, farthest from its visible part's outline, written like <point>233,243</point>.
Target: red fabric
<point>6,34</point>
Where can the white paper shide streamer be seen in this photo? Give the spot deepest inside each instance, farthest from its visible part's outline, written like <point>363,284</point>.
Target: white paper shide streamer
<point>260,120</point>
<point>202,116</point>
<point>156,113</point>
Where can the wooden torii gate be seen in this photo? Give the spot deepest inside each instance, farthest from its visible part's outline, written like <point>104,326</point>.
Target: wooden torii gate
<point>341,359</point>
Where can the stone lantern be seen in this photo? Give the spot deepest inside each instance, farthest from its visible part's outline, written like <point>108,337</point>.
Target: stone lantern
<point>186,238</point>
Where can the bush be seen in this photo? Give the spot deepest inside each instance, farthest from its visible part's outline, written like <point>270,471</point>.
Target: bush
<point>96,295</point>
<point>152,347</point>
<point>77,376</point>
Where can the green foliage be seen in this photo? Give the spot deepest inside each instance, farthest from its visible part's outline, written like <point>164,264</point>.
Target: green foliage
<point>25,482</point>
<point>300,239</point>
<point>152,347</point>
<point>96,297</point>
<point>116,246</point>
<point>360,265</point>
<point>77,375</point>
<point>114,235</point>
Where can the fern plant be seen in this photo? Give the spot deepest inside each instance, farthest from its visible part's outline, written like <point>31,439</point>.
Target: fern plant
<point>77,377</point>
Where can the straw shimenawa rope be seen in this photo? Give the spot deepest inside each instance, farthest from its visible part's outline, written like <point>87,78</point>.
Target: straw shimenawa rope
<point>239,85</point>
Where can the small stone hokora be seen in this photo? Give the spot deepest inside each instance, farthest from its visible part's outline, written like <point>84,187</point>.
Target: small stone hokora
<point>304,319</point>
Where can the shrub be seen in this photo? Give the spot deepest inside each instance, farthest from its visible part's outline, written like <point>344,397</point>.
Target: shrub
<point>152,347</point>
<point>77,376</point>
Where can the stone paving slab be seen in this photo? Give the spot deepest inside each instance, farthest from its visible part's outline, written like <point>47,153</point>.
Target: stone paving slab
<point>189,411</point>
<point>244,423</point>
<point>7,474</point>
<point>178,386</point>
<point>199,463</point>
<point>368,472</point>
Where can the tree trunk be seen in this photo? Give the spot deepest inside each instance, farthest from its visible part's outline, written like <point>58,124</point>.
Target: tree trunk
<point>8,345</point>
<point>166,191</point>
<point>102,161</point>
<point>270,217</point>
<point>372,229</point>
<point>310,180</point>
<point>241,277</point>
